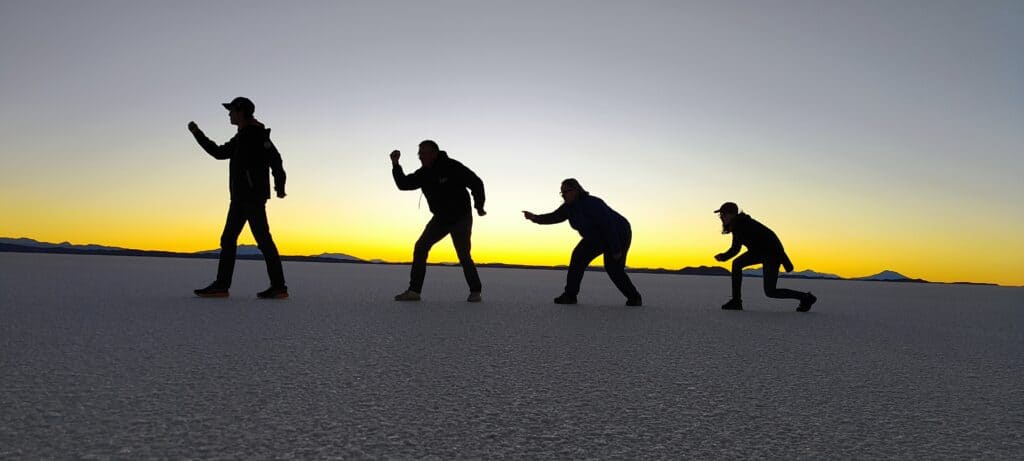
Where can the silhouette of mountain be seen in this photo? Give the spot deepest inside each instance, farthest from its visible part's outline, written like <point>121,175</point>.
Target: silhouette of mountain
<point>27,242</point>
<point>338,256</point>
<point>804,274</point>
<point>704,270</point>
<point>889,276</point>
<point>27,245</point>
<point>243,250</point>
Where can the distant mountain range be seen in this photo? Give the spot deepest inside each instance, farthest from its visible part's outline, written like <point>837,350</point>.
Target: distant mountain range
<point>253,250</point>
<point>884,276</point>
<point>805,274</point>
<point>27,245</point>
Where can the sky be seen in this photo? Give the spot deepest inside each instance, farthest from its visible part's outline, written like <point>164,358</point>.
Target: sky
<point>869,135</point>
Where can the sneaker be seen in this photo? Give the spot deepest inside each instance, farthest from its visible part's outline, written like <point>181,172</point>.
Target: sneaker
<point>733,305</point>
<point>273,293</point>
<point>807,302</point>
<point>474,297</point>
<point>635,302</point>
<point>565,299</point>
<point>407,295</point>
<point>214,290</point>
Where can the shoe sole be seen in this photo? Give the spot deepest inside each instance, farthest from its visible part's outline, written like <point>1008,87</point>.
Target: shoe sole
<point>280,296</point>
<point>213,295</point>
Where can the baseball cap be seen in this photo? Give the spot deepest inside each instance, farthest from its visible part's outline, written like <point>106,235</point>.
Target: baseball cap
<point>728,207</point>
<point>243,104</point>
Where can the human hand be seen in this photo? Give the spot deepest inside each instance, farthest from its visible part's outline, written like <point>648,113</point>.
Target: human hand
<point>193,127</point>
<point>529,216</point>
<point>281,194</point>
<point>481,212</point>
<point>395,156</point>
<point>721,257</point>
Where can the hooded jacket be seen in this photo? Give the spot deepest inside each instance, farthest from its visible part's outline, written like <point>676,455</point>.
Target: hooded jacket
<point>444,184</point>
<point>252,156</point>
<point>758,239</point>
<point>594,220</point>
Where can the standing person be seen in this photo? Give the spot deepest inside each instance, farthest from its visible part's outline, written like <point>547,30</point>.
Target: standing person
<point>604,232</point>
<point>444,182</point>
<point>763,247</point>
<point>251,155</point>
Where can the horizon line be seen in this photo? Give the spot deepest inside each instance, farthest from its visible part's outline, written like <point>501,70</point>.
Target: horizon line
<point>521,265</point>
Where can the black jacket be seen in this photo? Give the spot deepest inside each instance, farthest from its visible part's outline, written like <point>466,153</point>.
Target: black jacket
<point>758,239</point>
<point>594,220</point>
<point>252,155</point>
<point>444,184</point>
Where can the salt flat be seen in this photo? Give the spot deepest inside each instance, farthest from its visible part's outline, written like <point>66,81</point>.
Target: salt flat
<point>112,357</point>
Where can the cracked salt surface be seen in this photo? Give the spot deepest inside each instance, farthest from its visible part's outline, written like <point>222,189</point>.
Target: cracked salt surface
<point>111,357</point>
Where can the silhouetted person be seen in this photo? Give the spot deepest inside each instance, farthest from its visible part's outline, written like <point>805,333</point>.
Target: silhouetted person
<point>251,156</point>
<point>604,232</point>
<point>444,182</point>
<point>763,247</point>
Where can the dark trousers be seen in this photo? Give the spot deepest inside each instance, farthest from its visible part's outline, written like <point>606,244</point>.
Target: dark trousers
<point>255,213</point>
<point>770,271</point>
<point>436,230</point>
<point>584,253</point>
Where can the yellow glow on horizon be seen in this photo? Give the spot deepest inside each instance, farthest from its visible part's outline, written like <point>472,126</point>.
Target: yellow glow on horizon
<point>934,258</point>
<point>858,239</point>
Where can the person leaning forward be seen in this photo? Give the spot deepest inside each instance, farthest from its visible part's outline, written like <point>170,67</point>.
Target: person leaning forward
<point>251,157</point>
<point>763,247</point>
<point>444,182</point>
<point>603,231</point>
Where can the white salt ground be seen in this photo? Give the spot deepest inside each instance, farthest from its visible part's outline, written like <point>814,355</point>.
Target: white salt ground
<point>112,357</point>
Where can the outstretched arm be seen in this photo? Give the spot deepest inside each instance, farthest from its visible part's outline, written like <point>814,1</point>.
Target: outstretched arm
<point>554,217</point>
<point>218,152</point>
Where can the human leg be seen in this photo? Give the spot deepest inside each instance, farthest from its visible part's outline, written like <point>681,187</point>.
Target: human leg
<point>582,255</point>
<point>257,217</point>
<point>229,243</point>
<point>461,234</point>
<point>771,278</point>
<point>616,269</point>
<point>743,260</point>
<point>432,233</point>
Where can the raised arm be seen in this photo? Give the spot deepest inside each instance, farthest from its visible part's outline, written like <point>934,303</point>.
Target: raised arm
<point>402,180</point>
<point>218,152</point>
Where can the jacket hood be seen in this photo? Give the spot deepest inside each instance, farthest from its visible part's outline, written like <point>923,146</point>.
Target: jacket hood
<point>256,125</point>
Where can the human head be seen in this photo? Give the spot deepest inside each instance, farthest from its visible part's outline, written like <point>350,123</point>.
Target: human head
<point>428,153</point>
<point>727,212</point>
<point>572,190</point>
<point>240,110</point>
